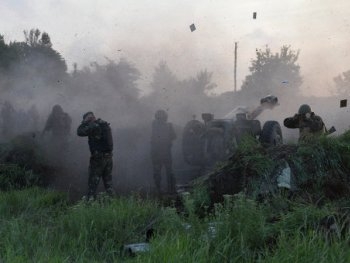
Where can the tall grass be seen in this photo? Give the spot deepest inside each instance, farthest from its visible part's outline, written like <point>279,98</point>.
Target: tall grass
<point>38,225</point>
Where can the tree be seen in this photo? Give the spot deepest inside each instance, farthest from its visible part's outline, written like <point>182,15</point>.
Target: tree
<point>165,88</point>
<point>45,40</point>
<point>111,87</point>
<point>34,38</point>
<point>342,84</point>
<point>32,62</point>
<point>163,80</point>
<point>121,77</point>
<point>7,55</point>
<point>202,84</point>
<point>183,98</point>
<point>277,74</point>
<point>35,57</point>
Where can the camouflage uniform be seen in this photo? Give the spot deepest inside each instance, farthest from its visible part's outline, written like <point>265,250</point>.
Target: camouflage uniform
<point>309,124</point>
<point>101,161</point>
<point>163,135</point>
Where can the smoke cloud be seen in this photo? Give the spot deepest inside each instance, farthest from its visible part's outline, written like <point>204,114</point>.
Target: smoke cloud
<point>119,48</point>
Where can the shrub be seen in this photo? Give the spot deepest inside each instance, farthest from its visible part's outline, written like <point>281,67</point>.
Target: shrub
<point>13,177</point>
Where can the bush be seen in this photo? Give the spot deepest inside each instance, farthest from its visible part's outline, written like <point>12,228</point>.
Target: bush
<point>14,177</point>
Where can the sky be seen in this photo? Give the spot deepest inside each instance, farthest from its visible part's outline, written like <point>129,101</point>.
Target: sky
<point>149,31</point>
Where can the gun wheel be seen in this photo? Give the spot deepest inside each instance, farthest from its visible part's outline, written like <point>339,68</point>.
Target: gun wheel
<point>271,134</point>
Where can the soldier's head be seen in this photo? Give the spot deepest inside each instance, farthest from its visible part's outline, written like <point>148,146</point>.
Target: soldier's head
<point>303,109</point>
<point>57,109</point>
<point>89,116</point>
<point>161,116</point>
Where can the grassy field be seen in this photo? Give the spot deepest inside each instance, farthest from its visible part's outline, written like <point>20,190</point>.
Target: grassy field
<point>40,225</point>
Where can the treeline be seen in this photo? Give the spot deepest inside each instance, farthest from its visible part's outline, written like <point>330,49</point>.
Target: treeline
<point>33,72</point>
<point>32,68</point>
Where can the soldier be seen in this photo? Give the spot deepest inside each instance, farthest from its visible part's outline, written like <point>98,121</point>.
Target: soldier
<point>309,124</point>
<point>101,147</point>
<point>59,123</point>
<point>162,138</point>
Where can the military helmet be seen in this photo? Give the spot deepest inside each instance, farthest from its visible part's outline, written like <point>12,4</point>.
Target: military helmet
<point>86,114</point>
<point>57,109</point>
<point>303,109</point>
<point>161,115</point>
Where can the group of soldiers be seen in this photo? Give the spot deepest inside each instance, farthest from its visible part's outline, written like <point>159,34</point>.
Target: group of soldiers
<point>101,145</point>
<point>100,142</point>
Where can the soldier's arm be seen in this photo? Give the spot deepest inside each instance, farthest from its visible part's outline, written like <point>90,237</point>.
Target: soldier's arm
<point>316,123</point>
<point>48,125</point>
<point>292,122</point>
<point>88,128</point>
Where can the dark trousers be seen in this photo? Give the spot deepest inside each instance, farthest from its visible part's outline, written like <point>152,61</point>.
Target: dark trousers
<point>158,164</point>
<point>101,165</point>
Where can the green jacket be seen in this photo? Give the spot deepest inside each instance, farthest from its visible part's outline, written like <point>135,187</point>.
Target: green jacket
<point>308,127</point>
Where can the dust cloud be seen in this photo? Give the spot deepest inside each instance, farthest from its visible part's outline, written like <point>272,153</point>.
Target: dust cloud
<point>117,91</point>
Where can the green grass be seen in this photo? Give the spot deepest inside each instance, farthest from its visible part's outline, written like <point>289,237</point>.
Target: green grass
<point>39,225</point>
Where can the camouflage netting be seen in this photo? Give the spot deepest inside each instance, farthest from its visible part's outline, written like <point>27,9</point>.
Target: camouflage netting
<point>319,169</point>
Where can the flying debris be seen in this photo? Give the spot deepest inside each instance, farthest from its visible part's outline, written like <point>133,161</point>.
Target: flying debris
<point>192,27</point>
<point>254,15</point>
<point>343,103</point>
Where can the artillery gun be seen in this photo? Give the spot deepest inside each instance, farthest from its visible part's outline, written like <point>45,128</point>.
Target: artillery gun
<point>213,140</point>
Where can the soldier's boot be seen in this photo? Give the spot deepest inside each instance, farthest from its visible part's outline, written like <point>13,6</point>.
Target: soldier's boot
<point>110,191</point>
<point>91,196</point>
<point>93,183</point>
<point>109,187</point>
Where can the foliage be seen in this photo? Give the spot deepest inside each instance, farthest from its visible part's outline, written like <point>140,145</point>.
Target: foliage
<point>183,98</point>
<point>14,177</point>
<point>269,71</point>
<point>39,225</point>
<point>164,79</point>
<point>98,84</point>
<point>22,163</point>
<point>320,169</point>
<point>201,84</point>
<point>253,157</point>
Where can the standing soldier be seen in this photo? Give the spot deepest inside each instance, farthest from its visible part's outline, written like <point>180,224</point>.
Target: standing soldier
<point>309,124</point>
<point>101,147</point>
<point>59,124</point>
<point>162,138</point>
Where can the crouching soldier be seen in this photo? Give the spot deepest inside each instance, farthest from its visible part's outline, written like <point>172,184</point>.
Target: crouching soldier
<point>162,138</point>
<point>309,124</point>
<point>101,147</point>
